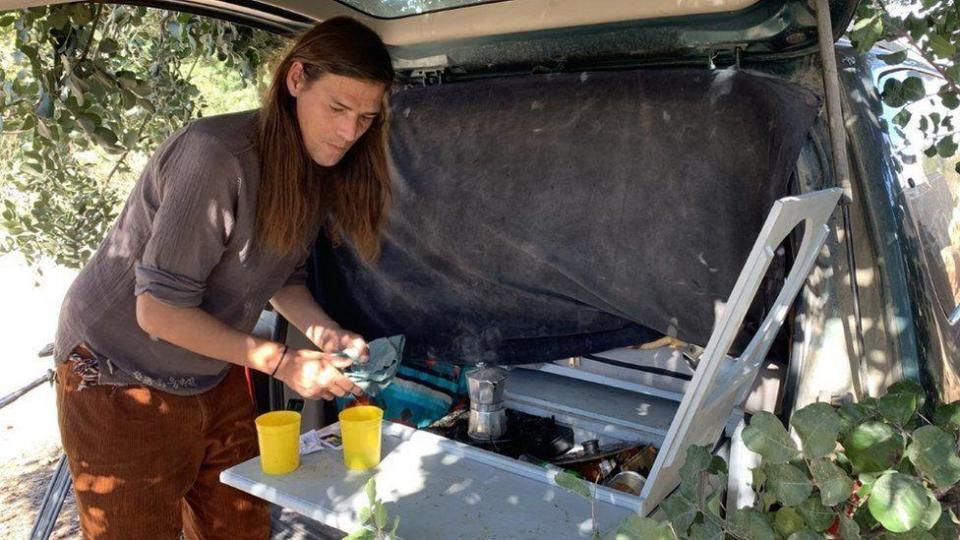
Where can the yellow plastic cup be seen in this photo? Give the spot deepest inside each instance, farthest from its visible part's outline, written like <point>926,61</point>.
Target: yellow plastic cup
<point>278,433</point>
<point>360,431</point>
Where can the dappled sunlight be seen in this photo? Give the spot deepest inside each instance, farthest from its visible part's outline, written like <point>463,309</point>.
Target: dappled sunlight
<point>435,484</point>
<point>101,485</point>
<point>95,521</point>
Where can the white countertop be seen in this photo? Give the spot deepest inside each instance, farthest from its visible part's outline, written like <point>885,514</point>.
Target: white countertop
<point>439,488</point>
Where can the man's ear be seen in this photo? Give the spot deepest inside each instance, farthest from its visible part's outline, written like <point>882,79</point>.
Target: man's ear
<point>295,79</point>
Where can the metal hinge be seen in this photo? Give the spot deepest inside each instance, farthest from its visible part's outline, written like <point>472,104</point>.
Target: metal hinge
<point>429,77</point>
<point>426,71</point>
<point>728,55</point>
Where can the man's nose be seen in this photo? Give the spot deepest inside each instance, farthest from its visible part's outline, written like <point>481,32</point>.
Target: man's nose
<point>349,129</point>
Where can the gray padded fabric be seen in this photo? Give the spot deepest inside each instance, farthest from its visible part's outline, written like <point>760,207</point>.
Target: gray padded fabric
<point>538,217</point>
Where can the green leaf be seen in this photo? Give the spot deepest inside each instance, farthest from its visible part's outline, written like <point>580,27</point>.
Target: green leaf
<point>573,484</point>
<point>82,14</point>
<point>362,534</point>
<point>698,460</point>
<point>380,515</point>
<point>893,58</point>
<point>933,452</point>
<point>913,89</point>
<point>818,426</point>
<point>370,488</point>
<point>835,486</point>
<point>933,513</point>
<point>949,99</point>
<point>681,512</point>
<point>759,478</point>
<point>787,521</point>
<point>872,447</point>
<point>947,147</point>
<point>864,518</point>
<point>892,93</point>
<point>849,530</point>
<point>766,436</point>
<point>767,501</point>
<point>104,136</point>
<point>748,523</point>
<point>898,502</point>
<point>903,118</point>
<point>946,527</point>
<point>854,414</point>
<point>817,516</point>
<point>707,530</point>
<point>953,72</point>
<point>44,130</point>
<point>396,524</point>
<point>109,46</point>
<point>788,484</point>
<point>364,514</point>
<point>901,402</point>
<point>636,526</point>
<point>866,32</point>
<point>128,99</point>
<point>941,46</point>
<point>947,415</point>
<point>88,122</point>
<point>805,534</point>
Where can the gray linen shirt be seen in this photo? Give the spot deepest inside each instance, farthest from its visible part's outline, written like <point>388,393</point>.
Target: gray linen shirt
<point>186,237</point>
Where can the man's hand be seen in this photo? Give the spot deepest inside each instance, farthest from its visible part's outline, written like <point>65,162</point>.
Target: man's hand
<point>316,375</point>
<point>297,305</point>
<point>336,339</point>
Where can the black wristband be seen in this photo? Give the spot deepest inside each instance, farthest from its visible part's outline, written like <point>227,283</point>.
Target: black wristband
<point>276,367</point>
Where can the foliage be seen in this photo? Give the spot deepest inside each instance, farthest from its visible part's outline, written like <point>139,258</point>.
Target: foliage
<point>87,92</point>
<point>373,518</point>
<point>930,31</point>
<point>876,469</point>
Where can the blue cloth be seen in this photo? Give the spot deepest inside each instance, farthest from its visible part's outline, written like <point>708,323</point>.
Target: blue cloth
<point>378,371</point>
<point>421,393</point>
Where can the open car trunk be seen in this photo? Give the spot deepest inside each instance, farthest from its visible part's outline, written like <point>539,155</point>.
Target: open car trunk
<point>543,217</point>
<point>546,216</point>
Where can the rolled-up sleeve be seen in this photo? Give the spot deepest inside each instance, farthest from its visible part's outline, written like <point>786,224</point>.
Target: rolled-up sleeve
<point>192,195</point>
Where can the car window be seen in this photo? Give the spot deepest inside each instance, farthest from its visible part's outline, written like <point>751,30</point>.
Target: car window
<point>391,9</point>
<point>930,184</point>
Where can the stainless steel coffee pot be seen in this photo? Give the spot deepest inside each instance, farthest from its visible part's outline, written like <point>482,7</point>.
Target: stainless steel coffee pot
<point>488,418</point>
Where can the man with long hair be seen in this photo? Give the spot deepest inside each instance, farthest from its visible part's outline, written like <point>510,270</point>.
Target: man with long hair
<point>154,334</point>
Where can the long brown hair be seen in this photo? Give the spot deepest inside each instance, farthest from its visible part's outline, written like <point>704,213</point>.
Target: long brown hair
<point>294,191</point>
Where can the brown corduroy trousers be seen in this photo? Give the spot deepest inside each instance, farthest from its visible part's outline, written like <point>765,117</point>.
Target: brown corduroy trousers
<point>146,463</point>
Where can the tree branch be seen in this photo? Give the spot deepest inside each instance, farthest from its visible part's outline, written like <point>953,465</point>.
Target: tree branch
<point>123,157</point>
<point>93,33</point>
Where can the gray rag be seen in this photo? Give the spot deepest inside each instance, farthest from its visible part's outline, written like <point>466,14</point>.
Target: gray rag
<point>378,371</point>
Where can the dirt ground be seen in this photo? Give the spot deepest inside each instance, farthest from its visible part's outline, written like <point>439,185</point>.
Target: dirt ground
<point>28,459</point>
<point>29,440</point>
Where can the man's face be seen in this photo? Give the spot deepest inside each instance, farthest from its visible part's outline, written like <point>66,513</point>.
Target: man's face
<point>333,112</point>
